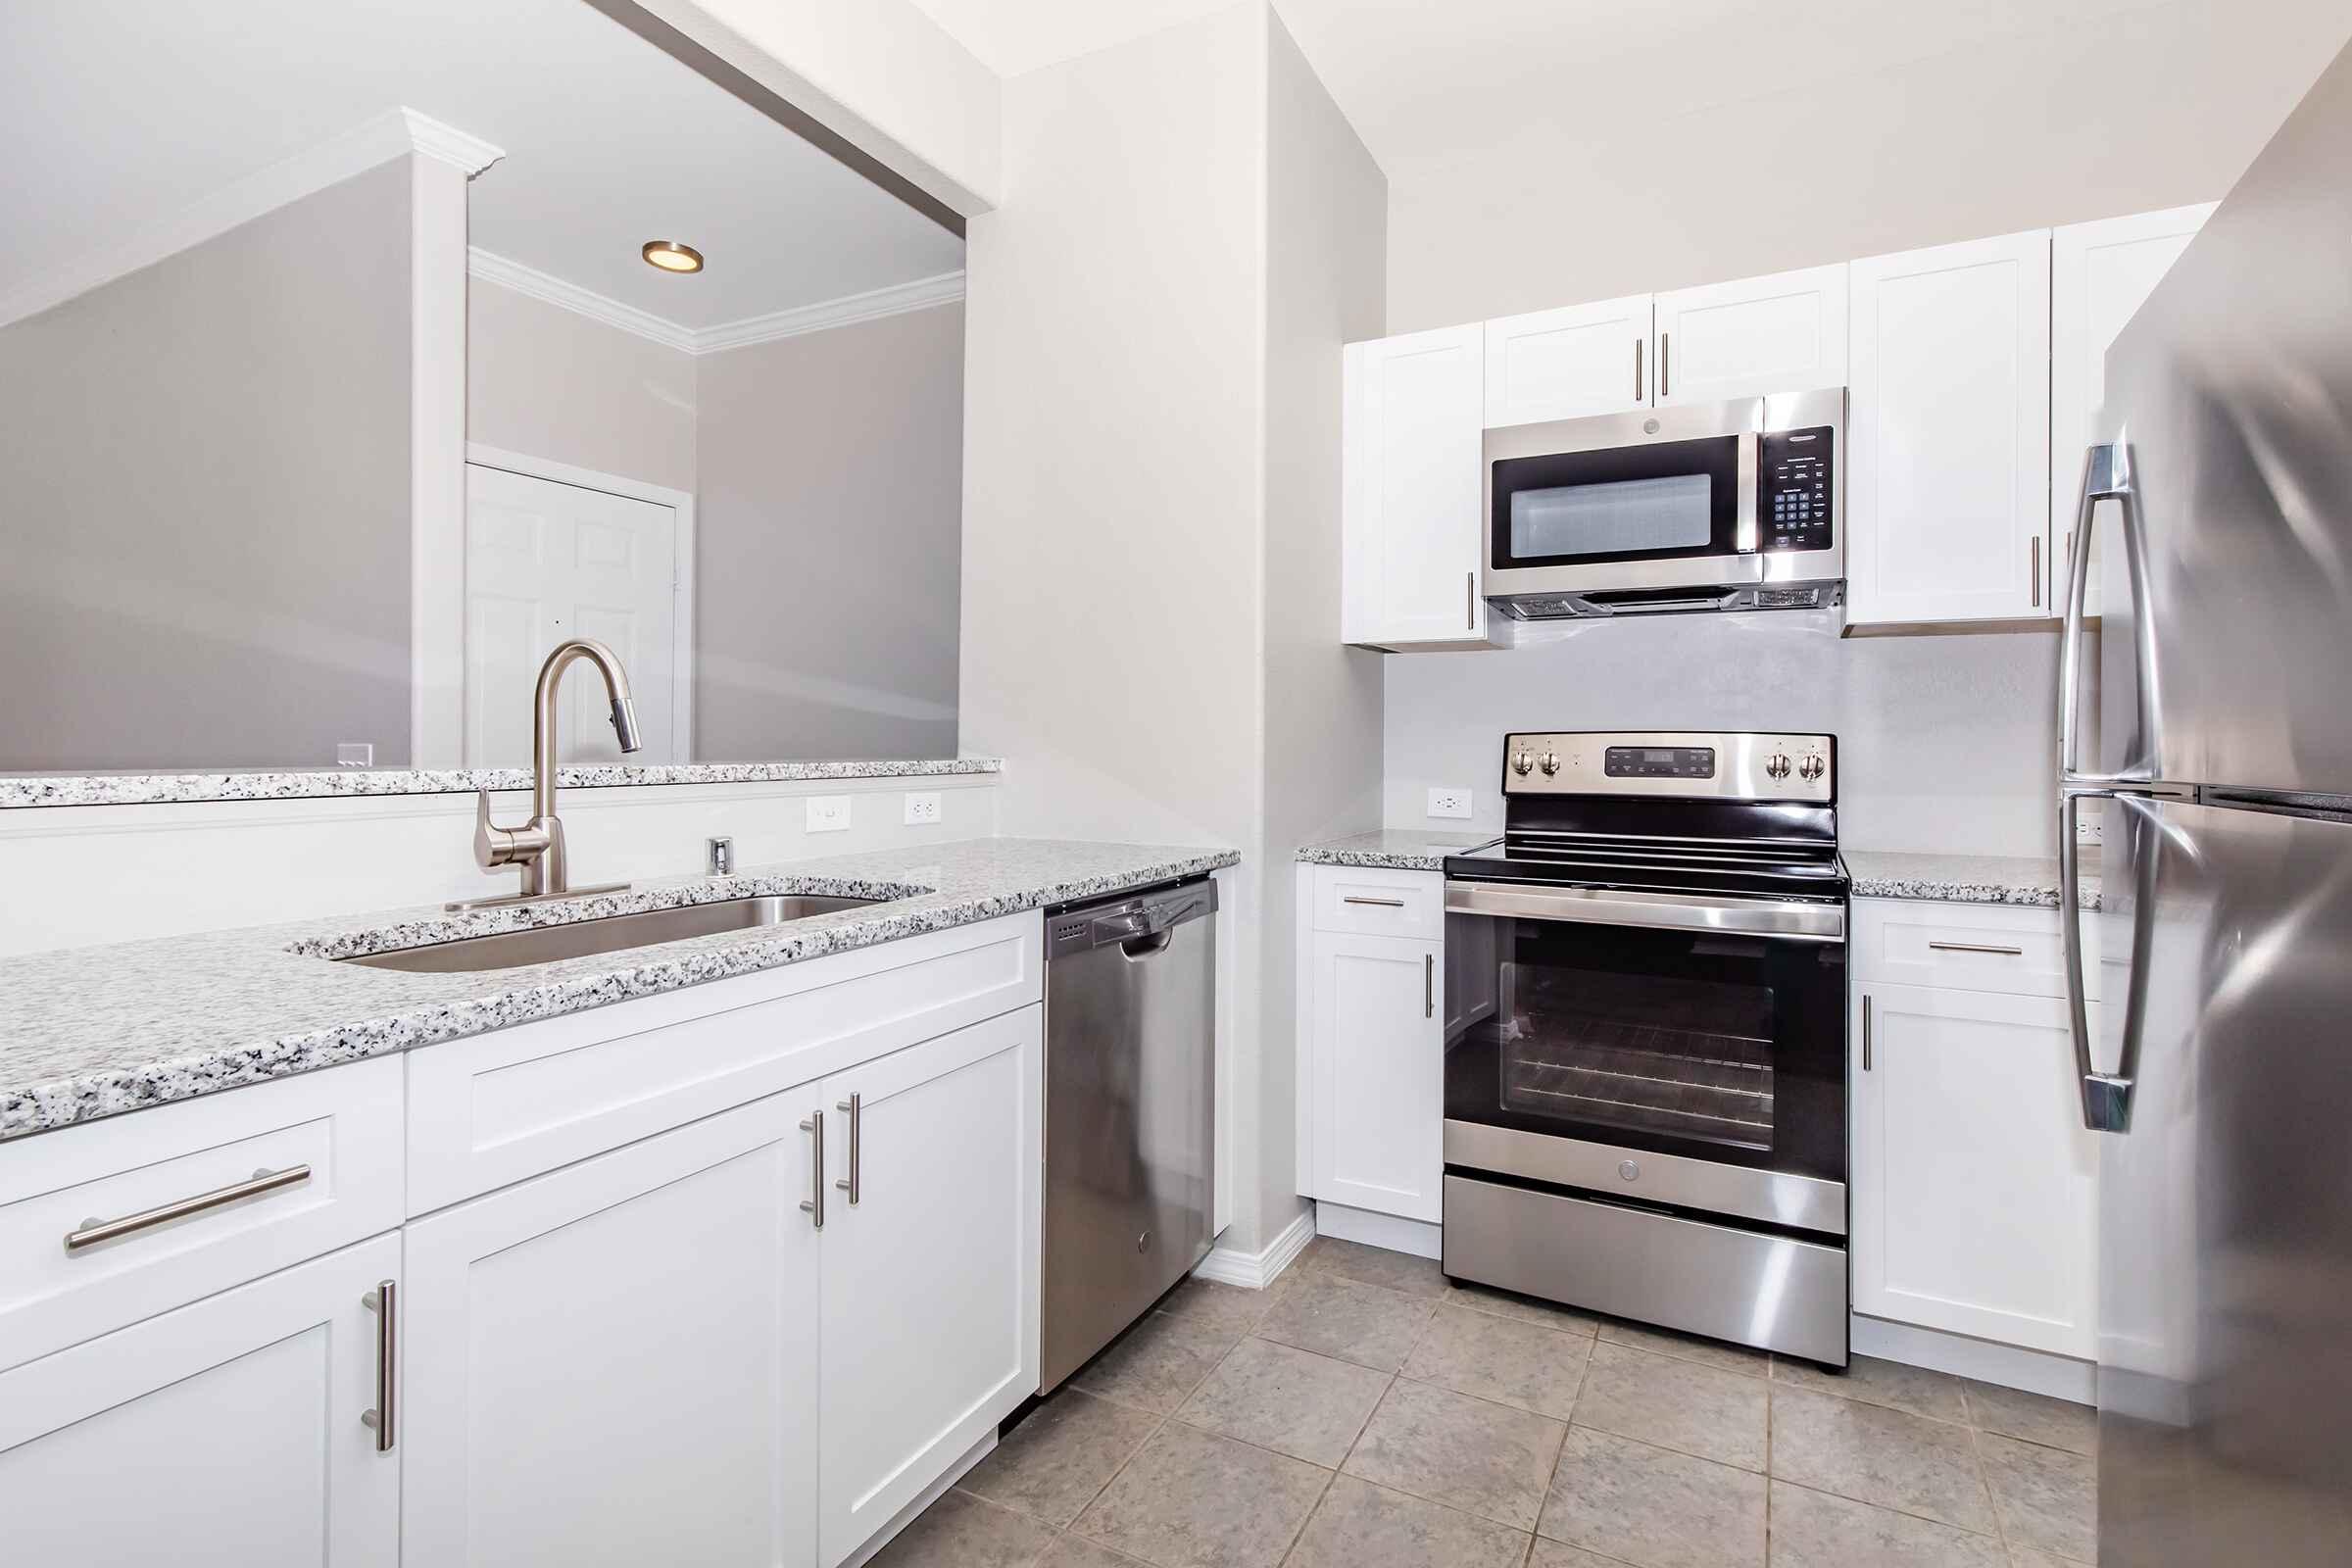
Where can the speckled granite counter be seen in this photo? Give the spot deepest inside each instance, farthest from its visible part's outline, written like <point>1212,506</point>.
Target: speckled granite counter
<point>91,1032</point>
<point>1965,878</point>
<point>1397,848</point>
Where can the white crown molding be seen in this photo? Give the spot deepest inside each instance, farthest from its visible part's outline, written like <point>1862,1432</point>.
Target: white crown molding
<point>388,136</point>
<point>492,268</point>
<point>898,299</point>
<point>874,304</point>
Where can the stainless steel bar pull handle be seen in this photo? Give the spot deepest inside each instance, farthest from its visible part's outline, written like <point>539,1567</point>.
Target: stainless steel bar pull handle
<point>93,1231</point>
<point>1978,947</point>
<point>1866,1031</point>
<point>1470,601</point>
<point>1637,369</point>
<point>1665,364</point>
<point>2034,568</point>
<point>813,1205</point>
<point>855,1108</point>
<point>1385,903</point>
<point>384,1303</point>
<point>1428,985</point>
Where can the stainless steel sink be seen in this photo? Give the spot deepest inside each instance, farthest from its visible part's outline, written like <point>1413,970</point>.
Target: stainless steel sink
<point>508,950</point>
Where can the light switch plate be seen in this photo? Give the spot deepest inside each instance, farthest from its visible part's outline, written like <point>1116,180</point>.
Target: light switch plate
<point>828,813</point>
<point>922,807</point>
<point>1449,803</point>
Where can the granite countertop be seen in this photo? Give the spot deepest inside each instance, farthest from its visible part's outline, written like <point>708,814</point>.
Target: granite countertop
<point>1966,878</point>
<point>91,1032</point>
<point>1395,849</point>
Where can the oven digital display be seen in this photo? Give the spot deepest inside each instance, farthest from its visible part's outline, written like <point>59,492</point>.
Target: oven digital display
<point>1659,761</point>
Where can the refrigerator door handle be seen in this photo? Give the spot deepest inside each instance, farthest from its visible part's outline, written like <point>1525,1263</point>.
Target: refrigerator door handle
<point>2106,1096</point>
<point>2106,476</point>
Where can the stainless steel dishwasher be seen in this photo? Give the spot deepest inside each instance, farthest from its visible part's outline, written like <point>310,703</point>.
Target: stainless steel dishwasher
<point>1131,987</point>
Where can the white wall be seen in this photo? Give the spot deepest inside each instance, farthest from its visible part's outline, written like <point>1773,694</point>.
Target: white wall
<point>552,383</point>
<point>2145,106</point>
<point>1326,206</point>
<point>218,864</point>
<point>1946,743</point>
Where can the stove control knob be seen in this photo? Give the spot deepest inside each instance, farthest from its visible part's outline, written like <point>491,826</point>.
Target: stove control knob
<point>1523,763</point>
<point>1551,763</point>
<point>1811,768</point>
<point>1777,764</point>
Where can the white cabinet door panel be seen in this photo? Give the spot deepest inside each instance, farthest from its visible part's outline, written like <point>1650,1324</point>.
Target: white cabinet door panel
<point>1947,487</point>
<point>1974,1184</point>
<point>1379,1074</point>
<point>617,1362</point>
<point>1568,363</point>
<point>1413,490</point>
<point>223,1435</point>
<point>2100,273</point>
<point>1754,338</point>
<point>931,1277</point>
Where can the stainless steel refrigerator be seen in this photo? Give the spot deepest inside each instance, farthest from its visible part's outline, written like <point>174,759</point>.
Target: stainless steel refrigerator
<point>2220,1065</point>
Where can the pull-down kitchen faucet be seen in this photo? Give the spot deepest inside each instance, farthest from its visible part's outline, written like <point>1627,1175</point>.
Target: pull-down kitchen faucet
<point>537,846</point>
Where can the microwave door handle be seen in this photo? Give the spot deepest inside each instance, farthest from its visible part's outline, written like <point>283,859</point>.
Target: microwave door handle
<point>1751,456</point>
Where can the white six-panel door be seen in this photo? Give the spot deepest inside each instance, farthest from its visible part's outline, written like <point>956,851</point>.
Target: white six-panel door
<point>1757,337</point>
<point>545,562</point>
<point>1974,1185</point>
<point>1411,487</point>
<point>617,1362</point>
<point>1948,466</point>
<point>1568,363</point>
<point>1380,1078</point>
<point>930,1325</point>
<point>226,1434</point>
<point>2100,273</point>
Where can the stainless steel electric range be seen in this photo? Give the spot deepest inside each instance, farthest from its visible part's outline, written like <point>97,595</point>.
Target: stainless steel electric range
<point>1647,1113</point>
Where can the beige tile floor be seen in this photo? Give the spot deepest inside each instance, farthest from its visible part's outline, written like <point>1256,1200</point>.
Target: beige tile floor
<point>1363,1413</point>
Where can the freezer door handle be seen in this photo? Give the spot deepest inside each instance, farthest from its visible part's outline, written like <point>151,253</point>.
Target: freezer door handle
<point>2106,476</point>
<point>2106,1096</point>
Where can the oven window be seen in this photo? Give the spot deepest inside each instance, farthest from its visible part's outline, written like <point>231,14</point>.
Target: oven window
<point>1677,1056</point>
<point>1676,512</point>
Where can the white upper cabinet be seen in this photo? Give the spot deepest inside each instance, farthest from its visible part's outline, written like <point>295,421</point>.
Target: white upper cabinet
<point>1569,362</point>
<point>1754,338</point>
<point>2100,273</point>
<point>1411,491</point>
<point>1949,473</point>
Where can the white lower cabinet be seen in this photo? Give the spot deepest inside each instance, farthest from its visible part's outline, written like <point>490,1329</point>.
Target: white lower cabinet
<point>930,1276</point>
<point>225,1433</point>
<point>1378,1107</point>
<point>1974,1184</point>
<point>617,1362</point>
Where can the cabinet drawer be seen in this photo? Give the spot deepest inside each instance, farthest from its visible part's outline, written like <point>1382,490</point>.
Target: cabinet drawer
<point>497,1109</point>
<point>340,1127</point>
<point>1380,902</point>
<point>2016,949</point>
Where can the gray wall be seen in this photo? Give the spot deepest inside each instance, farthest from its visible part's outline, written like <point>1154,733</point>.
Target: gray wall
<point>552,383</point>
<point>827,564</point>
<point>205,501</point>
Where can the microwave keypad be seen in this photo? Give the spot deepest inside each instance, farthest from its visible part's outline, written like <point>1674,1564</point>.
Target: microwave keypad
<point>1794,499</point>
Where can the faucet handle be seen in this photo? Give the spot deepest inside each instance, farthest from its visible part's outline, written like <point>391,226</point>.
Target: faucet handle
<point>495,846</point>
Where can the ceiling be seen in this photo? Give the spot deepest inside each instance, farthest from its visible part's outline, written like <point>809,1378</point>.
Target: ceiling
<point>1427,81</point>
<point>115,113</point>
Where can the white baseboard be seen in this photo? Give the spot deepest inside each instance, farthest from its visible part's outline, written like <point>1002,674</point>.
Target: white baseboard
<point>1256,1270</point>
<point>1415,1236</point>
<point>929,1495</point>
<point>2061,1377</point>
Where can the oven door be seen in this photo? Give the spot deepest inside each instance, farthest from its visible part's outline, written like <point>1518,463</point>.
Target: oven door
<point>1683,1050</point>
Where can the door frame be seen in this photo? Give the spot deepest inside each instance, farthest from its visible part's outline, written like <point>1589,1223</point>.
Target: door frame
<point>681,592</point>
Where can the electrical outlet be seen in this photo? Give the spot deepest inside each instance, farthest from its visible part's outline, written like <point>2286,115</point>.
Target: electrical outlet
<point>2090,823</point>
<point>1449,803</point>
<point>922,807</point>
<point>828,813</point>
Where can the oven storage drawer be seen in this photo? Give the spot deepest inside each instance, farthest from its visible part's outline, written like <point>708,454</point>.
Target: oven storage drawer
<point>1376,901</point>
<point>1772,1292</point>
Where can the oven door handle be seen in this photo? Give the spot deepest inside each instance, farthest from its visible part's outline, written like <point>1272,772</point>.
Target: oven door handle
<point>1666,911</point>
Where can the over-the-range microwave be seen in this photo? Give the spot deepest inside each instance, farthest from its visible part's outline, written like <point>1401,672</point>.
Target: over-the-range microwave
<point>1718,505</point>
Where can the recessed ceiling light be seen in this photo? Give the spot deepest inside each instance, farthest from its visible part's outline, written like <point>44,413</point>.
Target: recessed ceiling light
<point>672,257</point>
